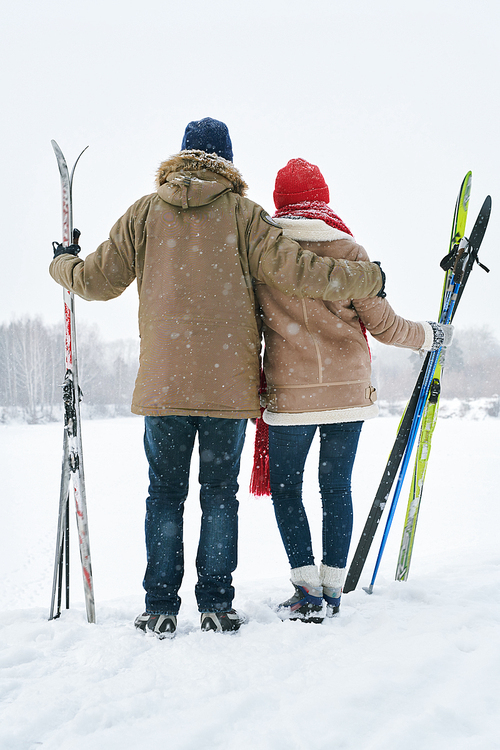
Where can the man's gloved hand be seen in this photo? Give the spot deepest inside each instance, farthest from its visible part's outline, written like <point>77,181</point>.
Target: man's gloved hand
<point>382,291</point>
<point>443,335</point>
<point>68,249</point>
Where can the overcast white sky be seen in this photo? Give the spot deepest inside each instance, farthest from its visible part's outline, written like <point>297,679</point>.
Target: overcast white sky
<point>394,101</point>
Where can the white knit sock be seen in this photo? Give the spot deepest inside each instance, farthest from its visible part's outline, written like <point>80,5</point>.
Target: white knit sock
<point>308,575</point>
<point>332,579</point>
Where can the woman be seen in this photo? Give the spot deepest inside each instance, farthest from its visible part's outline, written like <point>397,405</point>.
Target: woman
<point>317,369</point>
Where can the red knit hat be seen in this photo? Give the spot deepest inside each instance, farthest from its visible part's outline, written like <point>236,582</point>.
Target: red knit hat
<point>299,181</point>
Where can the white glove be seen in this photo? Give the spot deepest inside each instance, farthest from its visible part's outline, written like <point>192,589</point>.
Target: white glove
<point>443,335</point>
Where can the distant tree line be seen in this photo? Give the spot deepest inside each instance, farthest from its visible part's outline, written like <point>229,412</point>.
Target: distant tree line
<point>32,370</point>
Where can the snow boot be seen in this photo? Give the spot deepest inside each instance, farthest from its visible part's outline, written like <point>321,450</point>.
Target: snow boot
<point>307,602</point>
<point>332,580</point>
<point>221,622</point>
<point>162,626</point>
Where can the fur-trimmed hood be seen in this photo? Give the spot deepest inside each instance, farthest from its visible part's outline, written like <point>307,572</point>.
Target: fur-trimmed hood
<point>195,178</point>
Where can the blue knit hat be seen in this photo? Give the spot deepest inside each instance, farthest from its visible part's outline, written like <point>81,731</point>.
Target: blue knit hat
<point>208,135</point>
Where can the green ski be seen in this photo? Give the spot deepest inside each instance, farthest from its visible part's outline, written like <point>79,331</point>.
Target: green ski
<point>430,415</point>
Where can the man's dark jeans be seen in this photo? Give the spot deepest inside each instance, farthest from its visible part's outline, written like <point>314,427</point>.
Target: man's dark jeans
<point>169,442</point>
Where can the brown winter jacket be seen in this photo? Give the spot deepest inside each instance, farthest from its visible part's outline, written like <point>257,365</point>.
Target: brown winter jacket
<point>317,361</point>
<point>195,246</point>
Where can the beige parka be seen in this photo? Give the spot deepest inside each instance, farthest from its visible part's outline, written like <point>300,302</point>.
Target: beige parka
<point>196,246</point>
<point>317,361</point>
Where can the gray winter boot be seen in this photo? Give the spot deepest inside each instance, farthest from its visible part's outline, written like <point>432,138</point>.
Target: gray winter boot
<point>307,602</point>
<point>221,622</point>
<point>162,626</point>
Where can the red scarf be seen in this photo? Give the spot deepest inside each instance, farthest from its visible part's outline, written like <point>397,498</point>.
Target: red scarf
<point>260,479</point>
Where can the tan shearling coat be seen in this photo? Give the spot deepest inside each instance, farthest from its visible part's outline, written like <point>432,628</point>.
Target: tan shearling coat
<point>317,360</point>
<point>195,246</point>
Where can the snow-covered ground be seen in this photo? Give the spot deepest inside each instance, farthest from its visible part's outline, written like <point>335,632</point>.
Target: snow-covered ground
<point>415,665</point>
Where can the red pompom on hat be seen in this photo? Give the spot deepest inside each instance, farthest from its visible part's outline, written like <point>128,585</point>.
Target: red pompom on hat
<point>299,181</point>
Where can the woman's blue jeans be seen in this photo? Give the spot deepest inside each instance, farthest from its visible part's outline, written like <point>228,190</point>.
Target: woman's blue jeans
<point>288,449</point>
<point>169,442</point>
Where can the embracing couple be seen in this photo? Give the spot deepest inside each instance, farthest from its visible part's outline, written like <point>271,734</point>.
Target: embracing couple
<point>215,273</point>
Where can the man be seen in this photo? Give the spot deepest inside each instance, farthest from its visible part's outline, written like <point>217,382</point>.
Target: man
<point>195,246</point>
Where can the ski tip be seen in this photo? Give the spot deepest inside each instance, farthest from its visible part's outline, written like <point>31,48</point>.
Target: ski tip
<point>467,183</point>
<point>57,150</point>
<point>466,190</point>
<point>486,207</point>
<point>485,211</point>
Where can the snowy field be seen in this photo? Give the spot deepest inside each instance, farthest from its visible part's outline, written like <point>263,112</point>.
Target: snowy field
<point>415,665</point>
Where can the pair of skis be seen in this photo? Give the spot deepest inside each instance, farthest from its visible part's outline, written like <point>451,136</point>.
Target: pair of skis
<point>72,474</point>
<point>422,408</point>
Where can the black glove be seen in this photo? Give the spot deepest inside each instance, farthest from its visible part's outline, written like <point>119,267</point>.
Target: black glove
<point>68,249</point>
<point>382,291</point>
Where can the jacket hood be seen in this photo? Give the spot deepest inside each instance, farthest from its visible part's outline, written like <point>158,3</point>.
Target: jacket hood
<point>195,178</point>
